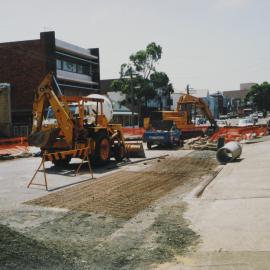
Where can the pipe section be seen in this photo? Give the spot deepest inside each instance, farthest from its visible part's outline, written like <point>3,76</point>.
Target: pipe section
<point>229,152</point>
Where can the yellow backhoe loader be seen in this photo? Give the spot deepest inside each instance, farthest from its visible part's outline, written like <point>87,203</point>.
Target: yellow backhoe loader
<point>76,126</point>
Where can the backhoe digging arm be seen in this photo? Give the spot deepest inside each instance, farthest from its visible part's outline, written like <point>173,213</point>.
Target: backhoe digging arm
<point>45,95</point>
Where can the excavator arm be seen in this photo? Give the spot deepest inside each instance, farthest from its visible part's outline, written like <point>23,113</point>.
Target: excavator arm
<point>199,103</point>
<point>206,111</point>
<point>45,95</point>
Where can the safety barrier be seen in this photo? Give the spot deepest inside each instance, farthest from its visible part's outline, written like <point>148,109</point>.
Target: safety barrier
<point>234,133</point>
<point>78,153</point>
<point>17,140</point>
<point>82,153</point>
<point>13,146</point>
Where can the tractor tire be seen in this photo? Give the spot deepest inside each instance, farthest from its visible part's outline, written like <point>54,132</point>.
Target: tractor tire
<point>119,152</point>
<point>102,150</point>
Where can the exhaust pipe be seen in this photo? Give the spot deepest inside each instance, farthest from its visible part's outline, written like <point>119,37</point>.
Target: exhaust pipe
<point>229,152</point>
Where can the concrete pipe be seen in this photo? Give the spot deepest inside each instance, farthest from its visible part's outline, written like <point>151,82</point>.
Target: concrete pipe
<point>229,152</point>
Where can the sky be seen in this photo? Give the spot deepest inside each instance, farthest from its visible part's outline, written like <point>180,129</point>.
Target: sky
<point>209,44</point>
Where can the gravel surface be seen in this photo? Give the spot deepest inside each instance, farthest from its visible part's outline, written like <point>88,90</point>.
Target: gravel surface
<point>125,193</point>
<point>129,219</point>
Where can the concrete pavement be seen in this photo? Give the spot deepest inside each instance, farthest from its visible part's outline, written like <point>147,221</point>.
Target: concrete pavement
<point>232,216</point>
<point>15,175</point>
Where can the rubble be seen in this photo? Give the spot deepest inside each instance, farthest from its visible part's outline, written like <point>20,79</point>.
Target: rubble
<point>250,134</point>
<point>200,143</point>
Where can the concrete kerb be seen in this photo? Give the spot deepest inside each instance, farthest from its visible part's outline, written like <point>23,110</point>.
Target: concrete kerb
<point>198,191</point>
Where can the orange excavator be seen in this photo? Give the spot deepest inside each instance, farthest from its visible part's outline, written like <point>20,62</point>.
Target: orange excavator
<point>187,108</point>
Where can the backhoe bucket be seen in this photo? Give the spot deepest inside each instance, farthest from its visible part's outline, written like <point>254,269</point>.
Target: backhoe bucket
<point>42,138</point>
<point>135,149</point>
<point>39,139</point>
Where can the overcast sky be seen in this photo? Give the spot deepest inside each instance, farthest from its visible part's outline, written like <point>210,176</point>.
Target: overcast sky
<point>210,44</point>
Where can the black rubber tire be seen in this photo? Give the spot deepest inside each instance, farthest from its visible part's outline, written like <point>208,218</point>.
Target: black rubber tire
<point>119,152</point>
<point>149,146</point>
<point>99,159</point>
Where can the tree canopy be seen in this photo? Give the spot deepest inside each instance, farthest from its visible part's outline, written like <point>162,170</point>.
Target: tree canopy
<point>259,96</point>
<point>140,76</point>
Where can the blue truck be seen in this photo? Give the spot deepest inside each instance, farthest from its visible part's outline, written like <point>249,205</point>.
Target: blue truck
<point>169,136</point>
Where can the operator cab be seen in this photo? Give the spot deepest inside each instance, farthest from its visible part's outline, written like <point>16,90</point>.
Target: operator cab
<point>89,114</point>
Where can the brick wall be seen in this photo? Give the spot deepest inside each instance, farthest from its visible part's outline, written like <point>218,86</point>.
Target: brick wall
<point>23,65</point>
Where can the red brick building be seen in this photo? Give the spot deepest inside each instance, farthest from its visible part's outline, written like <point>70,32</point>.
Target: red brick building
<point>23,64</point>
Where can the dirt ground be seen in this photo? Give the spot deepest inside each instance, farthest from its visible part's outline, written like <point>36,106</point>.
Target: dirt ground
<point>125,193</point>
<point>30,253</point>
<point>131,219</point>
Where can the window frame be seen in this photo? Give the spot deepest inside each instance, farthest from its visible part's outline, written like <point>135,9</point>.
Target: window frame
<point>62,64</point>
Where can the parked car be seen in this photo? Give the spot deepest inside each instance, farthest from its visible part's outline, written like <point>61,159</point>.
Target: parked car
<point>221,123</point>
<point>232,115</point>
<point>223,116</point>
<point>200,121</point>
<point>244,122</point>
<point>254,117</point>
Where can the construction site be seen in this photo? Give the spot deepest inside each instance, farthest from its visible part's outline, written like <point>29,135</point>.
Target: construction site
<point>132,172</point>
<point>81,193</point>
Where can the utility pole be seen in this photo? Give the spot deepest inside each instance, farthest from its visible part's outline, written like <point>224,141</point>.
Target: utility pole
<point>188,89</point>
<point>132,97</point>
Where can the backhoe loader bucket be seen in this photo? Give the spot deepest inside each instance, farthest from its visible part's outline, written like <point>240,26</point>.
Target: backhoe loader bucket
<point>42,138</point>
<point>135,149</point>
<point>39,139</point>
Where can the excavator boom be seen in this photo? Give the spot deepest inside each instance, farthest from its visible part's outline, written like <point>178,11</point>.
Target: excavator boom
<point>199,103</point>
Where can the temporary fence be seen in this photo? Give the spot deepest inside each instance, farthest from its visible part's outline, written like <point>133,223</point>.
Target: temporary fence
<point>17,140</point>
<point>13,145</point>
<point>235,133</point>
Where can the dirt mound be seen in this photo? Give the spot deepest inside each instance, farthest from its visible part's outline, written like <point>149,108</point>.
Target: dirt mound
<point>125,193</point>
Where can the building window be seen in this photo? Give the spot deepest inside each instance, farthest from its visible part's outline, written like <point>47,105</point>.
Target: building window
<point>58,64</point>
<point>73,67</point>
<point>86,70</point>
<point>69,66</point>
<point>79,69</point>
